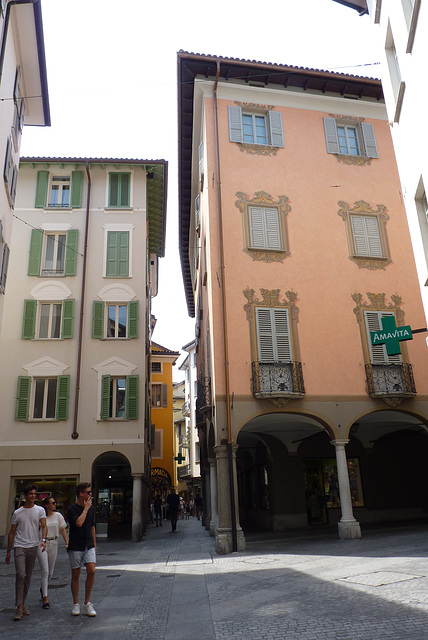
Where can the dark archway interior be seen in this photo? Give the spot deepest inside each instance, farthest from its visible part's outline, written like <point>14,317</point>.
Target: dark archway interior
<point>112,492</point>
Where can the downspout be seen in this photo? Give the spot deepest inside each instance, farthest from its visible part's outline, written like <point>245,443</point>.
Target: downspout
<point>225,334</point>
<point>10,4</point>
<point>75,433</point>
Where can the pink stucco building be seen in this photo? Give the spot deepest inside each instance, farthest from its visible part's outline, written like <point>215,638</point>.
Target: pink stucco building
<point>294,247</point>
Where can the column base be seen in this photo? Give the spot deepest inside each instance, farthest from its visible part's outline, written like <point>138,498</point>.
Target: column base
<point>224,542</point>
<point>349,530</point>
<point>137,532</point>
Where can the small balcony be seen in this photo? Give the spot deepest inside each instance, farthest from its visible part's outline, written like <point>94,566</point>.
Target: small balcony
<point>204,400</point>
<point>277,380</point>
<point>183,471</point>
<point>185,410</point>
<point>390,380</point>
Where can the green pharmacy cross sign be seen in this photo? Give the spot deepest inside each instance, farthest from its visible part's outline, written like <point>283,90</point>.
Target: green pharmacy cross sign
<point>390,335</point>
<point>179,458</point>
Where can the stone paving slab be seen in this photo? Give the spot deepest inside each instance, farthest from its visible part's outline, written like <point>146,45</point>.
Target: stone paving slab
<point>284,587</point>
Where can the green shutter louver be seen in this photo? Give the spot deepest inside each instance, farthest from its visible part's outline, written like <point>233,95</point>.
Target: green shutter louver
<point>23,398</point>
<point>71,252</point>
<point>132,384</point>
<point>105,397</point>
<point>29,320</point>
<point>62,397</point>
<point>117,254</point>
<point>35,252</point>
<point>119,190</point>
<point>42,189</point>
<point>67,321</point>
<point>125,189</point>
<point>98,319</point>
<point>133,316</point>
<point>76,189</point>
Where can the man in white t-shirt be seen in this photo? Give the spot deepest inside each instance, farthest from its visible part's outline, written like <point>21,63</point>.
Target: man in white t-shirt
<point>25,539</point>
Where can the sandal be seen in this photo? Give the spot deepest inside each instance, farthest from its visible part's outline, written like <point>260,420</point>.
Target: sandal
<point>46,605</point>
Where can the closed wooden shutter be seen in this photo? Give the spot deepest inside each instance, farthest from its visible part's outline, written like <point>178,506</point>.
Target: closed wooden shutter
<point>41,189</point>
<point>117,254</point>
<point>331,138</point>
<point>132,385</point>
<point>105,397</point>
<point>378,354</point>
<point>98,319</point>
<point>273,335</point>
<point>71,252</point>
<point>275,126</point>
<point>264,228</point>
<point>67,320</point>
<point>133,316</point>
<point>235,124</point>
<point>62,397</point>
<point>366,235</point>
<point>4,267</point>
<point>23,398</point>
<point>369,140</point>
<point>35,252</point>
<point>76,189</point>
<point>29,320</point>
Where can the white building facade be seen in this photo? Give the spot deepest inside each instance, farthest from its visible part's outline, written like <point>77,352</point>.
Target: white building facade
<point>189,411</point>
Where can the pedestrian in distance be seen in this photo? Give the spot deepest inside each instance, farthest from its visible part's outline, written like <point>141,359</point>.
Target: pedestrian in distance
<point>198,504</point>
<point>173,502</point>
<point>82,547</point>
<point>24,538</point>
<point>56,526</point>
<point>157,508</point>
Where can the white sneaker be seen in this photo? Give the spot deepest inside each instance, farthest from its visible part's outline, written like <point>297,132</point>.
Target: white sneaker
<point>89,609</point>
<point>75,610</point>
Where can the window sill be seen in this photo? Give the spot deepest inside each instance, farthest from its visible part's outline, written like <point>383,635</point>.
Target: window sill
<point>367,262</point>
<point>267,255</point>
<point>57,208</point>
<point>119,208</point>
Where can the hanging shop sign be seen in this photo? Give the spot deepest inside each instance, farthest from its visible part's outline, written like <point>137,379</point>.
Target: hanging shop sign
<point>158,471</point>
<point>390,335</point>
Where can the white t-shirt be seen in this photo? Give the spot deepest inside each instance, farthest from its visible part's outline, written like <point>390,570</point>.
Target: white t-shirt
<point>55,524</point>
<point>28,521</point>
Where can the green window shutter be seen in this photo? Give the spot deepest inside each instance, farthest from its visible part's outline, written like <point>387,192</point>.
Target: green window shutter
<point>42,189</point>
<point>133,315</point>
<point>76,189</point>
<point>23,398</point>
<point>29,320</point>
<point>35,252</point>
<point>117,254</point>
<point>71,252</point>
<point>98,319</point>
<point>132,383</point>
<point>125,189</point>
<point>369,140</point>
<point>113,192</point>
<point>235,124</point>
<point>275,126</point>
<point>67,320</point>
<point>112,250</point>
<point>62,397</point>
<point>105,397</point>
<point>331,139</point>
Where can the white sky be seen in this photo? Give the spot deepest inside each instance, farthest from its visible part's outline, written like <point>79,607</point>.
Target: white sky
<point>112,75</point>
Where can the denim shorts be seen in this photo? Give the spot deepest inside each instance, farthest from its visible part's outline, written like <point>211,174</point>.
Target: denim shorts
<point>79,558</point>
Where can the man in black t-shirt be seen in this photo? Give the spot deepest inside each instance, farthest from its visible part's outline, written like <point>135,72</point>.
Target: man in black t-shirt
<point>173,502</point>
<point>82,546</point>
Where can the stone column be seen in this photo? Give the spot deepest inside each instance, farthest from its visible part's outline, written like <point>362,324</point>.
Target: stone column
<point>349,528</point>
<point>213,496</point>
<point>207,499</point>
<point>137,507</point>
<point>223,530</point>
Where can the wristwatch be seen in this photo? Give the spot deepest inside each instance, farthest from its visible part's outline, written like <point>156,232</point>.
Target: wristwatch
<point>43,539</point>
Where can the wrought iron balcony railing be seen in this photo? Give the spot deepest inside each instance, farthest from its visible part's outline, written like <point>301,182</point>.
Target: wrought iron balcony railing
<point>183,471</point>
<point>203,400</point>
<point>390,380</point>
<point>277,380</point>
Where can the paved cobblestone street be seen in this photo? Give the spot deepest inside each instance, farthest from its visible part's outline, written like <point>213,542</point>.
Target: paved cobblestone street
<point>308,586</point>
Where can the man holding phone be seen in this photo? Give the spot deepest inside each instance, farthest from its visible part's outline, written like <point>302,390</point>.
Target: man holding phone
<point>82,546</point>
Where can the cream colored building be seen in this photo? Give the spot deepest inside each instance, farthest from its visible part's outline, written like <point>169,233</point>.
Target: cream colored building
<point>23,101</point>
<point>192,471</point>
<point>76,334</point>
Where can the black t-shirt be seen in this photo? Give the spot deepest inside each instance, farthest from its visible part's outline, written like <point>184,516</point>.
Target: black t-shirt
<point>80,538</point>
<point>173,501</point>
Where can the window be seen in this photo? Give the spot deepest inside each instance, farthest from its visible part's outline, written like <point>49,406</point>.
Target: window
<point>397,84</point>
<point>264,228</point>
<point>64,190</point>
<point>4,257</point>
<point>48,320</point>
<point>119,190</point>
<point>159,395</point>
<point>273,335</point>
<point>53,253</point>
<point>18,123</point>
<point>256,127</point>
<point>117,261</point>
<point>156,367</point>
<point>10,173</point>
<point>366,234</point>
<point>119,397</point>
<point>367,240</point>
<point>115,320</point>
<point>378,354</point>
<point>60,192</point>
<point>348,138</point>
<point>42,398</point>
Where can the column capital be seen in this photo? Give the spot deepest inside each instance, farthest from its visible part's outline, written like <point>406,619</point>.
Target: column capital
<point>339,443</point>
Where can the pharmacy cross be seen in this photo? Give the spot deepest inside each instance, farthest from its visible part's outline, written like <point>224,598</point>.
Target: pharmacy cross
<point>180,458</point>
<point>390,335</point>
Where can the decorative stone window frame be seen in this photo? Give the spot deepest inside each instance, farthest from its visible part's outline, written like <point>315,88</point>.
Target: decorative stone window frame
<point>261,198</point>
<point>362,208</point>
<point>270,299</point>
<point>253,148</point>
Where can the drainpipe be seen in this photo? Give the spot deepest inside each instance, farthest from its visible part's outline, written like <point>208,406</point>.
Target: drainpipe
<point>225,340</point>
<point>10,4</point>
<point>75,433</point>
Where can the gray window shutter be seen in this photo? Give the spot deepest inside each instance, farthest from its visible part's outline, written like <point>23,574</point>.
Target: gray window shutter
<point>273,236</point>
<point>273,335</point>
<point>369,140</point>
<point>4,267</point>
<point>331,138</point>
<point>235,124</point>
<point>257,235</point>
<point>275,127</point>
<point>378,354</point>
<point>366,235</point>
